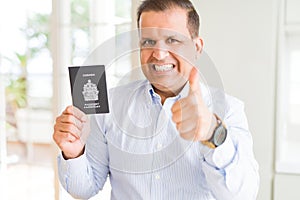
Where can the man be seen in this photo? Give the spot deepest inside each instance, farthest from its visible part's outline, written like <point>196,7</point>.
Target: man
<point>163,138</point>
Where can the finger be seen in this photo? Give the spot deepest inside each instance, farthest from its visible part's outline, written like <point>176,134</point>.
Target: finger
<point>67,137</point>
<point>176,107</point>
<point>188,135</point>
<point>71,120</point>
<point>176,112</point>
<point>70,137</point>
<point>70,128</point>
<point>179,105</point>
<point>194,81</point>
<point>72,110</point>
<point>79,114</point>
<point>67,128</point>
<point>177,117</point>
<point>184,115</point>
<point>178,126</point>
<point>185,126</point>
<point>62,138</point>
<point>68,110</point>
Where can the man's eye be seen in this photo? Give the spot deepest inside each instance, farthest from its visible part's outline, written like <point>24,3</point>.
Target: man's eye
<point>148,43</point>
<point>172,41</point>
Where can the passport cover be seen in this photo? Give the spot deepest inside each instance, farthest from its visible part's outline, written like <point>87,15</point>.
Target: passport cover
<point>88,88</point>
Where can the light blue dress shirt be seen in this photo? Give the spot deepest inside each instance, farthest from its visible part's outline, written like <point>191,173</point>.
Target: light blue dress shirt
<point>138,147</point>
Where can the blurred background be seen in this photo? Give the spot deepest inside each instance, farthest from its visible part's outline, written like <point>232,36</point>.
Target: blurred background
<point>255,46</point>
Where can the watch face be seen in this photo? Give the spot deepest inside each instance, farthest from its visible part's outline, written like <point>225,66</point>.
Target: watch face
<point>220,135</point>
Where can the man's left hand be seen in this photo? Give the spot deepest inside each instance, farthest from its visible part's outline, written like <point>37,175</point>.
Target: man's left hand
<point>193,119</point>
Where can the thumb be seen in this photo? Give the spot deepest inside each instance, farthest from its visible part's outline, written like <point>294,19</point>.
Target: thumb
<point>194,81</point>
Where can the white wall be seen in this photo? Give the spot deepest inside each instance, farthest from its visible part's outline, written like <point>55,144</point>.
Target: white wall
<point>240,37</point>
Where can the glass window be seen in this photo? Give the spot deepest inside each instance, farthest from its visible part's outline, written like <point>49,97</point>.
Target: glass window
<point>35,78</point>
<point>288,102</point>
<point>26,76</point>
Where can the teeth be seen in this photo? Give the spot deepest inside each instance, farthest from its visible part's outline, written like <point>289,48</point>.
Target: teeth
<point>162,68</point>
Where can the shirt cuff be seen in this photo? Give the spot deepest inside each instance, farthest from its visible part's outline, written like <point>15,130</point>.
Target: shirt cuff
<point>221,156</point>
<point>69,164</point>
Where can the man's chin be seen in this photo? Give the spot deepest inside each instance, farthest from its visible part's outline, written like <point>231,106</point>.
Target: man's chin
<point>166,87</point>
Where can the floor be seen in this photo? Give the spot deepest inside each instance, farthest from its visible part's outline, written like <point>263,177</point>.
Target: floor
<point>31,176</point>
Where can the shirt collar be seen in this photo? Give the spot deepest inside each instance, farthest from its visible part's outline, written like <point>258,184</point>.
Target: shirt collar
<point>152,97</point>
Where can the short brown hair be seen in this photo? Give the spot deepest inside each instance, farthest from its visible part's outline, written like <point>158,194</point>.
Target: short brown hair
<point>193,22</point>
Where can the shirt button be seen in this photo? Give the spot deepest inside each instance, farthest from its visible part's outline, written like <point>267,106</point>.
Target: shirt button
<point>157,177</point>
<point>65,166</point>
<point>159,146</point>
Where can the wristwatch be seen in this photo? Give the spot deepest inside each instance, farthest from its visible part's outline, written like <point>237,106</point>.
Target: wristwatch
<point>219,135</point>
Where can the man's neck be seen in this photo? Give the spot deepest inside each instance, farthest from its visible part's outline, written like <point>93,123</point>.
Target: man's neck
<point>166,94</point>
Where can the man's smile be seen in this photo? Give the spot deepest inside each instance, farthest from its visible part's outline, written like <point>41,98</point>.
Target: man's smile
<point>162,67</point>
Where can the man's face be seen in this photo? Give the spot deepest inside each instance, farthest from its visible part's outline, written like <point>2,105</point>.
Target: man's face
<point>167,49</point>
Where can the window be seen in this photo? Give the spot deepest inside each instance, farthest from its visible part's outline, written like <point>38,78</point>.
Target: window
<point>288,105</point>
<point>39,40</point>
<point>26,94</point>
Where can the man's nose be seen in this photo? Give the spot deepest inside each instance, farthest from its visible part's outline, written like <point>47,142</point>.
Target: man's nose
<point>160,52</point>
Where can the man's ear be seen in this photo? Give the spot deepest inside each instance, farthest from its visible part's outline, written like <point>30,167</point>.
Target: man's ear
<point>198,44</point>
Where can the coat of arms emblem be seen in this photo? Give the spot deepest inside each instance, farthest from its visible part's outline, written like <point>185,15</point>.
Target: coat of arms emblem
<point>90,91</point>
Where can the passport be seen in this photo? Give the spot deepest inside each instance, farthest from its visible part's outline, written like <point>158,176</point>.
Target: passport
<point>89,89</point>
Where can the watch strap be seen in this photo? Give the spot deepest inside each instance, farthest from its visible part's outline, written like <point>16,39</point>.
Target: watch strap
<point>210,143</point>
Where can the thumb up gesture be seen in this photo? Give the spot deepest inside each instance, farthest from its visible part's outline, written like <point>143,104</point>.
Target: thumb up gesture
<point>194,121</point>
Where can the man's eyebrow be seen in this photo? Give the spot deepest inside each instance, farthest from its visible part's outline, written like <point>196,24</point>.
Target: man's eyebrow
<point>174,35</point>
<point>164,37</point>
<point>146,38</point>
<point>179,36</point>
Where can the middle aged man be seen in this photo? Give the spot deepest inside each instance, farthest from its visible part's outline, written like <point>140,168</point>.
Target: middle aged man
<point>165,138</point>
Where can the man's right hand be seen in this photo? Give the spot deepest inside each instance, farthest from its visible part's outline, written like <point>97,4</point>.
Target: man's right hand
<point>70,132</point>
